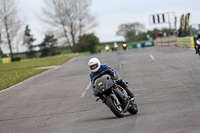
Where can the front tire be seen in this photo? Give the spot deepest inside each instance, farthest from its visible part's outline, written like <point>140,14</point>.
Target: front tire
<point>116,109</point>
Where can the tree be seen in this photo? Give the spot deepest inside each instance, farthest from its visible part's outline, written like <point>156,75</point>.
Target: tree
<point>28,41</point>
<point>153,33</point>
<point>72,16</point>
<point>1,53</point>
<point>142,36</point>
<point>130,31</point>
<point>9,22</point>
<point>47,47</point>
<point>19,40</point>
<point>88,42</point>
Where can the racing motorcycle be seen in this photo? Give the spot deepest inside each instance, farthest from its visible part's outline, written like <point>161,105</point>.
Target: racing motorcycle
<point>197,46</point>
<point>113,95</point>
<point>107,48</point>
<point>124,45</point>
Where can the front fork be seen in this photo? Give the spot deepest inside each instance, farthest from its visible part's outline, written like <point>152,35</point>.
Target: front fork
<point>124,96</point>
<point>112,95</point>
<point>115,98</point>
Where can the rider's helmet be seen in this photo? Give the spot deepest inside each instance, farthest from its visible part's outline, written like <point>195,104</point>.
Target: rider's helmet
<point>94,64</point>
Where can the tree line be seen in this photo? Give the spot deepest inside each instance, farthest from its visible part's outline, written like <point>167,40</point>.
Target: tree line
<point>70,19</point>
<point>133,32</point>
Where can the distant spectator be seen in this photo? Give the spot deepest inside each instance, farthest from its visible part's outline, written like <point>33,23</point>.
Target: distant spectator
<point>164,34</point>
<point>115,46</point>
<point>158,35</point>
<point>179,33</point>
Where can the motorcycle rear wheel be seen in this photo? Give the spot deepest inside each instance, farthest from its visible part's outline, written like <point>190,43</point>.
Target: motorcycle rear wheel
<point>116,109</point>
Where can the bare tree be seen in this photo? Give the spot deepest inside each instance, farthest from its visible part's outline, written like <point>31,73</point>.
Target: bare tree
<point>9,22</point>
<point>72,16</point>
<point>19,41</point>
<point>130,31</point>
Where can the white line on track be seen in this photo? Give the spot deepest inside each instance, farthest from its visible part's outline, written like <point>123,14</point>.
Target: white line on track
<point>88,87</point>
<point>120,66</point>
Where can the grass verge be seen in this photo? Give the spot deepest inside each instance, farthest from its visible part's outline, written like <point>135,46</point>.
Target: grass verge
<point>13,73</point>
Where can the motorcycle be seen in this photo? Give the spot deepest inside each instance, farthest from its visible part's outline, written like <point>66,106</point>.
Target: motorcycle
<point>113,95</point>
<point>107,48</point>
<point>197,47</point>
<point>124,45</point>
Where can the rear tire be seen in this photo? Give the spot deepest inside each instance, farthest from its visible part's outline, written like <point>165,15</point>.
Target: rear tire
<point>133,109</point>
<point>116,109</point>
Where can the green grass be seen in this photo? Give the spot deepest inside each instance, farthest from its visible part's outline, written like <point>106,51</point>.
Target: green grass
<point>13,73</point>
<point>64,51</point>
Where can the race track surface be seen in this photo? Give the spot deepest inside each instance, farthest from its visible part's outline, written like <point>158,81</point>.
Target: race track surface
<point>165,80</point>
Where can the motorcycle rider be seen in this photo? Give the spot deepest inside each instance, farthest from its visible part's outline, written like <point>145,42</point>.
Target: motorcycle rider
<point>197,46</point>
<point>97,68</point>
<point>124,45</point>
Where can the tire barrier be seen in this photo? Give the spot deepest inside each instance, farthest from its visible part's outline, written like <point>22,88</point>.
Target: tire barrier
<point>166,41</point>
<point>186,42</point>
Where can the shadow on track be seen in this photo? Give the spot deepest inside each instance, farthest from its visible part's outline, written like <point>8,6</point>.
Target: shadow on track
<point>104,118</point>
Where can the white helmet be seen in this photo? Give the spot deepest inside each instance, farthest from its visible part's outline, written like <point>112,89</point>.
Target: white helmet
<point>94,64</point>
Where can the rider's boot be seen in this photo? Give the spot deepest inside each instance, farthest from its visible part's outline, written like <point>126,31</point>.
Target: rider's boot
<point>123,84</point>
<point>130,94</point>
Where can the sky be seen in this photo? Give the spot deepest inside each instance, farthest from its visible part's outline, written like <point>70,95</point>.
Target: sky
<point>111,13</point>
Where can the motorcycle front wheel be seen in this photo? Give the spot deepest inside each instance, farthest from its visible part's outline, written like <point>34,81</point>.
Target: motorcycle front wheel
<point>115,107</point>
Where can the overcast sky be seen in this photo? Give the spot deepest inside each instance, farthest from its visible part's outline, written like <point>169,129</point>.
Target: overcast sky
<point>111,13</point>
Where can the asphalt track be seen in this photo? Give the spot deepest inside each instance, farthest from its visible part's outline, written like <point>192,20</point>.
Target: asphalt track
<point>165,80</point>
